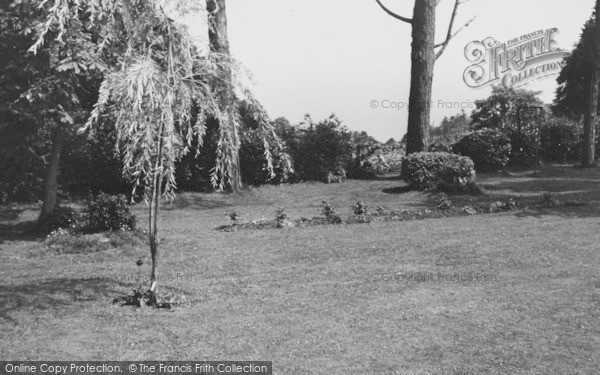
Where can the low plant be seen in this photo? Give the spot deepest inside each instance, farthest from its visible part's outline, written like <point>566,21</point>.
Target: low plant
<point>330,213</point>
<point>234,217</point>
<point>443,202</point>
<point>144,298</point>
<point>282,219</point>
<point>360,209</point>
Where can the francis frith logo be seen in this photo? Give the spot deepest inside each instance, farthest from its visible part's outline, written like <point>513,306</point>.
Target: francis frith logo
<point>514,63</point>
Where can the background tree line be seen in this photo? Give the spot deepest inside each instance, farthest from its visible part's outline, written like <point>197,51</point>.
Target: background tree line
<point>37,92</point>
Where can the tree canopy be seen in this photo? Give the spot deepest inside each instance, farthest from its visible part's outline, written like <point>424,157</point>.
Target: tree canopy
<point>501,108</point>
<point>570,99</point>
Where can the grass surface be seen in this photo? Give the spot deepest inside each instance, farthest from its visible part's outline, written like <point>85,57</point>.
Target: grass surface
<point>512,293</point>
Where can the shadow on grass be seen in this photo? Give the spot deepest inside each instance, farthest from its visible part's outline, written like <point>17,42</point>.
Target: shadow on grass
<point>542,184</point>
<point>398,190</point>
<point>392,177</point>
<point>570,211</point>
<point>9,213</point>
<point>54,294</point>
<point>203,202</point>
<point>65,292</point>
<point>24,231</point>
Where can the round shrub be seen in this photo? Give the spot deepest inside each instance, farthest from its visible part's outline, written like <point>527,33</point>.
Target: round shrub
<point>107,212</point>
<point>489,149</point>
<point>437,170</point>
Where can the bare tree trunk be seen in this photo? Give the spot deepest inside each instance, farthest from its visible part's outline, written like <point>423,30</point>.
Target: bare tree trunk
<point>591,112</point>
<point>51,183</point>
<point>423,61</point>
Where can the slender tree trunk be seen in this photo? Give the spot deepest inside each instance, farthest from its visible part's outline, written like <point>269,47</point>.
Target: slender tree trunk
<point>591,112</point>
<point>423,60</point>
<point>153,215</point>
<point>51,183</point>
<point>589,121</point>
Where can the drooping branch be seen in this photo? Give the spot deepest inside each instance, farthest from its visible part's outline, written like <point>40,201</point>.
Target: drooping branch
<point>397,16</point>
<point>451,34</point>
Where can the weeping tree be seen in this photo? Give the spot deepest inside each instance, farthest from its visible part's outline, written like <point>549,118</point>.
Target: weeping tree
<point>158,78</point>
<point>423,58</point>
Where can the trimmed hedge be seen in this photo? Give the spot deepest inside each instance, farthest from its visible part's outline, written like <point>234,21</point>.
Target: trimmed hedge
<point>489,149</point>
<point>438,170</point>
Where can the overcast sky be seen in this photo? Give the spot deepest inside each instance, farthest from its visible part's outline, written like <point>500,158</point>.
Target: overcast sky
<point>336,56</point>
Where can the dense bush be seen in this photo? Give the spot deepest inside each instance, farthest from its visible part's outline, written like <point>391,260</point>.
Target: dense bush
<point>106,212</point>
<point>561,140</point>
<point>489,149</point>
<point>318,150</point>
<point>524,147</point>
<point>253,165</point>
<point>436,170</point>
<point>364,147</point>
<point>194,169</point>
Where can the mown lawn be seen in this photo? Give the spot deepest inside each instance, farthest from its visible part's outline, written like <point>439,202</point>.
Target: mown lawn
<point>511,293</point>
